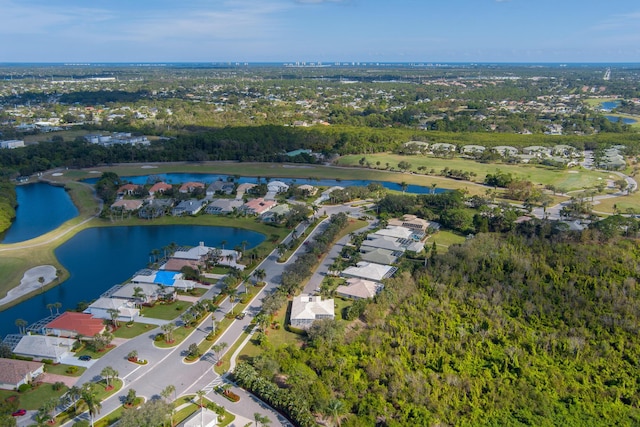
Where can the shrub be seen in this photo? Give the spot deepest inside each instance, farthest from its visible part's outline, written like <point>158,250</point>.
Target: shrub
<point>158,337</point>
<point>24,387</point>
<point>47,361</point>
<point>72,370</point>
<point>57,386</point>
<point>82,423</point>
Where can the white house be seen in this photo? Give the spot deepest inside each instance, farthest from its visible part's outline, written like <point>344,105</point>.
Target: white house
<point>277,187</point>
<point>44,347</point>
<point>305,309</point>
<point>369,271</point>
<point>101,308</point>
<point>201,418</point>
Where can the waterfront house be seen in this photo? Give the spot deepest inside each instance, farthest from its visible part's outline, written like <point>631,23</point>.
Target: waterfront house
<point>258,206</point>
<point>223,206</point>
<point>126,205</point>
<point>189,187</point>
<point>71,324</point>
<point>147,292</point>
<point>188,207</point>
<point>128,189</point>
<point>101,309</point>
<point>159,187</point>
<point>220,187</point>
<point>44,347</point>
<point>155,208</point>
<point>308,190</point>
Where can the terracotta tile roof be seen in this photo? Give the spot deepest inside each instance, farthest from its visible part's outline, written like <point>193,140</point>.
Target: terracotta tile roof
<point>80,323</point>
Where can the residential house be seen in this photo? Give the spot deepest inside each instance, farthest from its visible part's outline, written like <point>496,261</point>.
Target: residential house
<point>14,373</point>
<point>397,232</point>
<point>306,309</point>
<point>357,288</point>
<point>223,206</point>
<point>258,206</point>
<point>382,242</point>
<point>127,205</point>
<point>369,271</point>
<point>380,256</point>
<point>308,190</point>
<point>159,187</point>
<point>188,207</point>
<point>101,309</point>
<point>472,149</point>
<point>442,147</point>
<point>201,252</point>
<point>276,214</point>
<point>410,221</point>
<point>505,150</point>
<point>189,187</point>
<point>155,208</point>
<point>537,151</point>
<point>148,292</point>
<point>128,189</point>
<point>220,187</point>
<point>71,324</point>
<point>164,278</point>
<point>277,186</point>
<point>44,347</point>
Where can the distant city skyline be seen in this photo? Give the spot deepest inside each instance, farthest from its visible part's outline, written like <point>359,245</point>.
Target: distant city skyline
<point>320,31</point>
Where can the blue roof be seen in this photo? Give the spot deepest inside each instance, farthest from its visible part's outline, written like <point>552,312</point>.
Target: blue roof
<point>165,278</point>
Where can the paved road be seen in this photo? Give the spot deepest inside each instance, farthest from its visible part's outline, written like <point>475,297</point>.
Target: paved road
<point>166,366</point>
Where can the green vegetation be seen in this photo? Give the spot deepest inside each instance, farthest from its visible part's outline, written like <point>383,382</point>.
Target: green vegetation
<point>166,311</point>
<point>62,369</point>
<point>534,327</point>
<point>32,398</point>
<point>133,330</point>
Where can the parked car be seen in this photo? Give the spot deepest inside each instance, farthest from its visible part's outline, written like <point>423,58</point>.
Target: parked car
<point>19,413</point>
<point>85,357</point>
<point>240,316</point>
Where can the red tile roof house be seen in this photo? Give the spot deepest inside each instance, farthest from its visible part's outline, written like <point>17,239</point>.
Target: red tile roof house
<point>72,324</point>
<point>188,187</point>
<point>159,187</point>
<point>14,373</point>
<point>128,189</point>
<point>258,206</point>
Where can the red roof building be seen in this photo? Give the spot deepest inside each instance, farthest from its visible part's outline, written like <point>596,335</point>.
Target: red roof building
<point>188,187</point>
<point>159,187</point>
<point>71,324</point>
<point>128,189</point>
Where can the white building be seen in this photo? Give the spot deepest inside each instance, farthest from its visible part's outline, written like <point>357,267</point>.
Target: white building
<point>305,309</point>
<point>44,347</point>
<point>357,288</point>
<point>11,144</point>
<point>369,271</point>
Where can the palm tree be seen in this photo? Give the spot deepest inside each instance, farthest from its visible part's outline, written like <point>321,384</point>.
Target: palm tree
<point>336,411</point>
<point>90,397</point>
<point>166,394</point>
<point>108,373</point>
<point>222,243</point>
<point>50,307</point>
<point>201,394</point>
<point>114,313</point>
<point>21,324</point>
<point>73,394</point>
<point>168,328</point>
<point>244,244</point>
<point>259,274</point>
<point>433,188</point>
<point>232,298</point>
<point>404,186</point>
<point>217,349</point>
<point>259,418</point>
<point>57,305</point>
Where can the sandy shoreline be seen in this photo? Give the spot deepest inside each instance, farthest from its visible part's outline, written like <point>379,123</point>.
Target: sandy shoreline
<point>30,282</point>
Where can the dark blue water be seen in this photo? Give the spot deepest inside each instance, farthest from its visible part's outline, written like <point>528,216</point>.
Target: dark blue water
<point>625,120</point>
<point>41,208</point>
<point>99,258</point>
<point>609,105</point>
<point>177,178</point>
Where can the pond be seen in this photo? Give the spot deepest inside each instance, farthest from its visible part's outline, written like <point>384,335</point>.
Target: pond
<point>99,258</point>
<point>625,120</point>
<point>41,208</point>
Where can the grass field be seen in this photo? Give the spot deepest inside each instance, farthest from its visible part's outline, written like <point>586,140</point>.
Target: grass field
<point>444,239</point>
<point>61,369</point>
<point>166,311</point>
<point>567,179</point>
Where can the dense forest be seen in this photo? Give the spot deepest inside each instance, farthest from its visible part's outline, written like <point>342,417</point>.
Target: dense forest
<point>535,327</point>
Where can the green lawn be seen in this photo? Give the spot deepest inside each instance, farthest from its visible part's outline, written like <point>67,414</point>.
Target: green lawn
<point>568,179</point>
<point>166,311</point>
<point>195,292</point>
<point>61,369</point>
<point>33,398</point>
<point>444,239</point>
<point>126,331</point>
<point>86,351</point>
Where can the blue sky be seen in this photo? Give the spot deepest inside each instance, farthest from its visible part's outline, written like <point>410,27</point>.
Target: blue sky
<point>320,30</point>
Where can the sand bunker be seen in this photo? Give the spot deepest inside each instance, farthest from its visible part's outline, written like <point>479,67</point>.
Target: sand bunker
<point>31,282</point>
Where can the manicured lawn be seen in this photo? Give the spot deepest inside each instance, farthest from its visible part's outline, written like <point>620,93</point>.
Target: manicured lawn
<point>444,239</point>
<point>166,311</point>
<point>623,204</point>
<point>61,369</point>
<point>568,179</point>
<point>126,331</point>
<point>195,292</point>
<point>34,398</point>
<point>86,351</point>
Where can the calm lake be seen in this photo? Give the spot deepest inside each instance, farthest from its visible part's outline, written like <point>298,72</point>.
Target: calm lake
<point>625,120</point>
<point>99,258</point>
<point>41,208</point>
